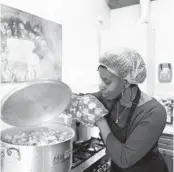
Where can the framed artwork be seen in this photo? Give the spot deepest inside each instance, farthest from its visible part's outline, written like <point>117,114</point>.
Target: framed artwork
<point>165,72</point>
<point>31,47</point>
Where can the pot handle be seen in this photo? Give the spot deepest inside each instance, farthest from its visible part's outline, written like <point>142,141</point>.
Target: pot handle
<point>9,152</point>
<point>2,153</point>
<point>2,158</point>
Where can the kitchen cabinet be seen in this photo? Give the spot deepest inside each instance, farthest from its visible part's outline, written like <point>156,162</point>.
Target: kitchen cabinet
<point>165,145</point>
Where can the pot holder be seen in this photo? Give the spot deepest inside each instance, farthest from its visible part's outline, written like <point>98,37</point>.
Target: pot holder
<point>73,106</point>
<point>87,109</point>
<point>90,110</point>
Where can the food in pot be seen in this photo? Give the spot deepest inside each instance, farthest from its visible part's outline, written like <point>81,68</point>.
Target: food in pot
<point>42,137</point>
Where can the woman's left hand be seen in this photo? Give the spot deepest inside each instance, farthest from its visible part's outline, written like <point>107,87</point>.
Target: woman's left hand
<point>104,128</point>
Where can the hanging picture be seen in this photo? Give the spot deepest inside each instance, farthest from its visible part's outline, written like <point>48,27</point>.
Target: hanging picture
<point>165,72</point>
<point>31,47</point>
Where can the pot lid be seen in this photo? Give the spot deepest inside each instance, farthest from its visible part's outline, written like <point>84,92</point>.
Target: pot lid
<point>35,103</point>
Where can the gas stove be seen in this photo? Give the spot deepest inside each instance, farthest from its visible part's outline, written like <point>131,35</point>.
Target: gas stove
<point>87,156</point>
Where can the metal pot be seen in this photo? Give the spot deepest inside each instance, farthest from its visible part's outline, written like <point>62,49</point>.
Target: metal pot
<point>49,158</point>
<point>31,106</point>
<point>82,133</point>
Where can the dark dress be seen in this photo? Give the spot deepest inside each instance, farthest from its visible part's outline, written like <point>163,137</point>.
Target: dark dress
<point>152,161</point>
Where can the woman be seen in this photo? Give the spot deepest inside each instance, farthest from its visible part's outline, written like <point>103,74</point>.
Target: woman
<point>135,121</point>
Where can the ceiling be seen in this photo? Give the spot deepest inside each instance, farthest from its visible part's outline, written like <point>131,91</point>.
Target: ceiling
<point>114,4</point>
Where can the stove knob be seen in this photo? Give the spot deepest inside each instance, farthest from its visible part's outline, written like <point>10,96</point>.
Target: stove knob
<point>104,166</point>
<point>99,166</point>
<point>100,170</point>
<point>108,163</point>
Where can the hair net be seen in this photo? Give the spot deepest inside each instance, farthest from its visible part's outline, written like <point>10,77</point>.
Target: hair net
<point>126,64</point>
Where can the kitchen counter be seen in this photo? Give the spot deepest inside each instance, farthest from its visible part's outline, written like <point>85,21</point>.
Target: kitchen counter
<point>90,161</point>
<point>169,129</point>
<point>165,145</point>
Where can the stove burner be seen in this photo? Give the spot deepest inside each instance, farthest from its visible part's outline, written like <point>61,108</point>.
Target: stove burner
<point>85,150</point>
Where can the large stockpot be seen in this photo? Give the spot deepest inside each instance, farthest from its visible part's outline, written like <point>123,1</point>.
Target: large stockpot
<point>48,158</point>
<point>31,107</point>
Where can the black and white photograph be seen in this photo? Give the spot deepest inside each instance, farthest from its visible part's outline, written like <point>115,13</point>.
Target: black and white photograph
<point>87,85</point>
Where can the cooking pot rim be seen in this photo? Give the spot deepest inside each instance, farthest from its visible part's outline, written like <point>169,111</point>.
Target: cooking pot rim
<point>51,144</point>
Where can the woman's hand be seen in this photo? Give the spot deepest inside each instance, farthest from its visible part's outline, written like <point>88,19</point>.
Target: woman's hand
<point>104,128</point>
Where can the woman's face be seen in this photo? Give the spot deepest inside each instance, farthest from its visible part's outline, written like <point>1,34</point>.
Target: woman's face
<point>111,85</point>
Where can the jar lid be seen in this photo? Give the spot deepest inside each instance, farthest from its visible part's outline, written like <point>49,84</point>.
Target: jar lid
<point>35,103</point>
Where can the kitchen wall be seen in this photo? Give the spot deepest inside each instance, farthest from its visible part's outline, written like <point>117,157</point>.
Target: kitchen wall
<point>79,19</point>
<point>81,46</point>
<point>153,41</point>
<point>162,20</point>
<point>80,35</point>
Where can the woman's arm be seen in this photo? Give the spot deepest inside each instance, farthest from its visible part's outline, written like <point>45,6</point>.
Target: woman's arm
<point>104,129</point>
<point>141,140</point>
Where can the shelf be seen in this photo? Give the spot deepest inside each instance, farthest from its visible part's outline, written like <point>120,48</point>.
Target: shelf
<point>166,152</point>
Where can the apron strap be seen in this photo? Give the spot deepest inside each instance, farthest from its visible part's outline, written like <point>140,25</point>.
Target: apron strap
<point>134,105</point>
<point>114,126</point>
<point>132,110</point>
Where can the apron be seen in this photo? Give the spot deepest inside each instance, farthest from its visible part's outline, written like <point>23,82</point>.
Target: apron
<point>152,161</point>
